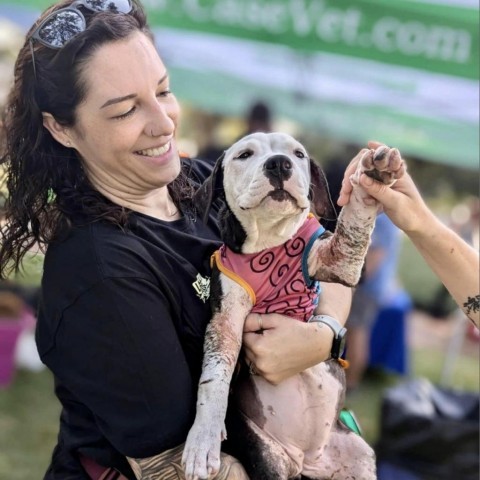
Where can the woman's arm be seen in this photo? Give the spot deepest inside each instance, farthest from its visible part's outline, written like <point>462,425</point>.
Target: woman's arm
<point>454,262</point>
<point>451,258</point>
<point>287,346</point>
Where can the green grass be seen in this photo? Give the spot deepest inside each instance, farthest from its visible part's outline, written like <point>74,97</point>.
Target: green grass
<point>31,271</point>
<point>29,414</point>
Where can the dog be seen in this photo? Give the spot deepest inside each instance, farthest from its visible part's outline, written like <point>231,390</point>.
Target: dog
<point>272,190</point>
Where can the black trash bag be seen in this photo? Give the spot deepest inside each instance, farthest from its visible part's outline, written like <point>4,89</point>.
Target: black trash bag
<point>431,431</point>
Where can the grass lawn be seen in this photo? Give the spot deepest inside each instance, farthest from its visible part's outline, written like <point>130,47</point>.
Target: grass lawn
<point>28,426</point>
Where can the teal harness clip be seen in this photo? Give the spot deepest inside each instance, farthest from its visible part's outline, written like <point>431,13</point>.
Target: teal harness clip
<point>348,418</point>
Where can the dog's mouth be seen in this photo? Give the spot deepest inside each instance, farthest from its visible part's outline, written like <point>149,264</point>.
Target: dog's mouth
<point>281,195</point>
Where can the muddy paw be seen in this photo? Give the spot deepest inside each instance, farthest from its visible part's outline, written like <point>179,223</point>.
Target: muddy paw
<point>384,164</point>
<point>201,455</point>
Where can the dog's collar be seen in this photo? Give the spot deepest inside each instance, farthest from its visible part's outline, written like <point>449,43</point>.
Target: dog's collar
<point>309,280</point>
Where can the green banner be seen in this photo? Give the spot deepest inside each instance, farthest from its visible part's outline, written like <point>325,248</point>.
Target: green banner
<point>437,38</point>
<point>404,72</point>
<point>442,38</point>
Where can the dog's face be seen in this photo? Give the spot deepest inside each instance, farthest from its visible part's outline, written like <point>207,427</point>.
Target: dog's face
<point>270,184</point>
<point>267,174</point>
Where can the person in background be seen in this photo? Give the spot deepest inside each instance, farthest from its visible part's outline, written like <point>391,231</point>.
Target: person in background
<point>259,118</point>
<point>213,146</point>
<point>94,177</point>
<point>452,259</point>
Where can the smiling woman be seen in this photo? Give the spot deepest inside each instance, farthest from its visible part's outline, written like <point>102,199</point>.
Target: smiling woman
<point>94,177</point>
<point>125,134</point>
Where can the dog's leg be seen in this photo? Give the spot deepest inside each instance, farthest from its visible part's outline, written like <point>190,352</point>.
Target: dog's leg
<point>262,457</point>
<point>223,338</point>
<point>339,257</point>
<point>346,457</point>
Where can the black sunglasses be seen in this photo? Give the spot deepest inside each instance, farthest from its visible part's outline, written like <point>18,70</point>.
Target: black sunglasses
<point>61,26</point>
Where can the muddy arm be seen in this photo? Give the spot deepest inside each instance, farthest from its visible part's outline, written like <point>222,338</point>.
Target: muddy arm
<point>223,339</point>
<point>339,258</point>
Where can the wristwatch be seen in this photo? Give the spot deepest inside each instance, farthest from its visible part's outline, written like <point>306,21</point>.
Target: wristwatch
<point>339,332</point>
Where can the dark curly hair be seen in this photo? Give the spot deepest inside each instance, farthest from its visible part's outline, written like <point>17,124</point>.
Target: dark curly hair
<point>47,189</point>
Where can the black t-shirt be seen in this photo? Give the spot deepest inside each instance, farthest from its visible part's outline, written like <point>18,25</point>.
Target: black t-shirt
<point>121,324</point>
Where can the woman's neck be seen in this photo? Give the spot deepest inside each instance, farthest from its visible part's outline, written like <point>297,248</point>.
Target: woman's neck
<point>157,203</point>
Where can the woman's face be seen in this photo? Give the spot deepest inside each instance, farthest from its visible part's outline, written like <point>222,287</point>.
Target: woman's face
<point>125,127</point>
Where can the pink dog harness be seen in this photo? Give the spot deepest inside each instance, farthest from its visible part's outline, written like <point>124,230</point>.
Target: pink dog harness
<point>277,278</point>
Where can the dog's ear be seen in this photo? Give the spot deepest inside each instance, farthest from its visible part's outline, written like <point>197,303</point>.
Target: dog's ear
<point>319,195</point>
<point>210,190</point>
<point>232,232</point>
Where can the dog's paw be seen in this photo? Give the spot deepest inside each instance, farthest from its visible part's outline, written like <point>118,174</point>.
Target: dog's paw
<point>384,164</point>
<point>201,454</point>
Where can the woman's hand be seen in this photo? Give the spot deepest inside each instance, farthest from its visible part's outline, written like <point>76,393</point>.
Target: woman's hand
<point>279,347</point>
<point>285,346</point>
<point>401,202</point>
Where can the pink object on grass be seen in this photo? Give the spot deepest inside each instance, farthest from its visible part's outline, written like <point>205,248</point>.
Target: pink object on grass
<point>10,330</point>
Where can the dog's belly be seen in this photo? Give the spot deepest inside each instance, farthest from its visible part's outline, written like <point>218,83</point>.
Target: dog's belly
<point>298,413</point>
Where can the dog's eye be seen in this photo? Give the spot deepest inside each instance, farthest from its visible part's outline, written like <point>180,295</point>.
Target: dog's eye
<point>245,154</point>
<point>299,154</point>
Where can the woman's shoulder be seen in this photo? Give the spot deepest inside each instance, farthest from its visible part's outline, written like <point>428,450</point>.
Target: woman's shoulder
<point>98,248</point>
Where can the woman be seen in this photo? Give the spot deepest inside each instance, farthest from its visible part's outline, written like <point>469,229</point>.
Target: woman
<point>94,175</point>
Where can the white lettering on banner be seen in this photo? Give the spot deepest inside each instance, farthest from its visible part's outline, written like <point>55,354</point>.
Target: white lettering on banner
<point>253,15</point>
<point>329,23</point>
<point>411,38</point>
<point>303,16</point>
<point>335,26</point>
<point>415,38</point>
<point>448,44</point>
<point>351,26</point>
<point>276,21</point>
<point>383,34</point>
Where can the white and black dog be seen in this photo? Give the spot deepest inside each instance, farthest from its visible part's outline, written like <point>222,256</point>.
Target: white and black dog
<point>274,254</point>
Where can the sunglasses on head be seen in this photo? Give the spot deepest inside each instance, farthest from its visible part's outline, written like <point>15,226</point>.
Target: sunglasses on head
<point>61,26</point>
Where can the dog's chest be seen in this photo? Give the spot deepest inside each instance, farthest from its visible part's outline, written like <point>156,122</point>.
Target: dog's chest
<point>277,278</point>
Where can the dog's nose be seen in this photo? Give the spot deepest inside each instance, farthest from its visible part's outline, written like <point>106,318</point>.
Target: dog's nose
<point>278,166</point>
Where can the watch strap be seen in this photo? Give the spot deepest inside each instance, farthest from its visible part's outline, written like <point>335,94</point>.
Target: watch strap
<point>330,321</point>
